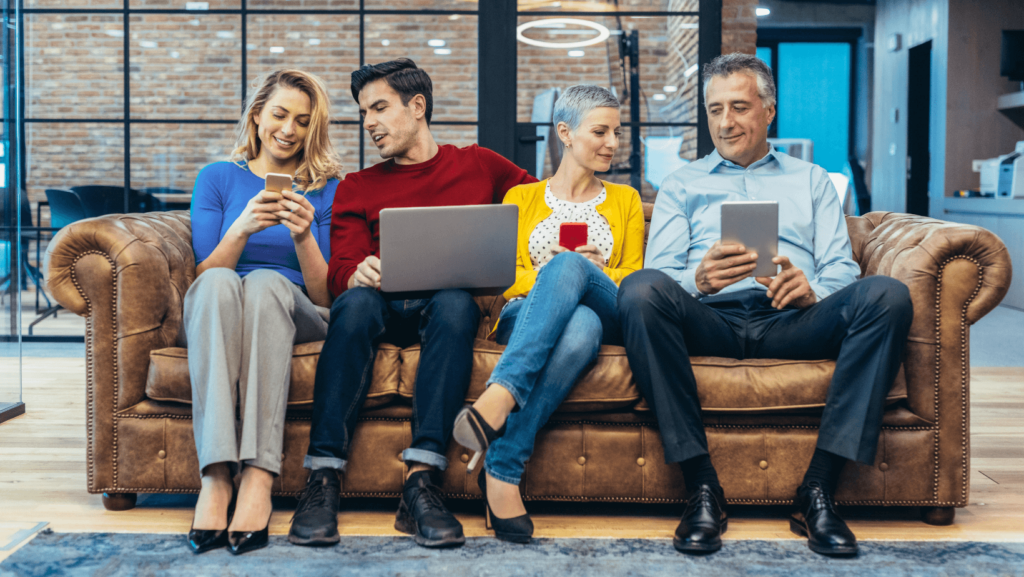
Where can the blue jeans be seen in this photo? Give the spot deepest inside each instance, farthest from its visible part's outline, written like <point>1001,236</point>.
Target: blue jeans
<point>552,335</point>
<point>361,318</point>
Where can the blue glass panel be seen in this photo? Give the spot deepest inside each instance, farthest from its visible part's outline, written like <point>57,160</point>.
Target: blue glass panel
<point>765,54</point>
<point>814,98</point>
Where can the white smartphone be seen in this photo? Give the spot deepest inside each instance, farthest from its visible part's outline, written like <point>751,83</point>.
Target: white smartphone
<point>278,182</point>
<point>755,225</point>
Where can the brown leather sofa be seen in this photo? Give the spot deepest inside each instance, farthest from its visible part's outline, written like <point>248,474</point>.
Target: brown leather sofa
<point>127,274</point>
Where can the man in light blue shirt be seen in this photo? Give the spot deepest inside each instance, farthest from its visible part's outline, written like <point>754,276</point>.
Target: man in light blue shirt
<point>697,297</point>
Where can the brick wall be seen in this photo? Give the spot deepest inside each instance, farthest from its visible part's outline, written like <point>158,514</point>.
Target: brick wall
<point>188,67</point>
<point>739,26</point>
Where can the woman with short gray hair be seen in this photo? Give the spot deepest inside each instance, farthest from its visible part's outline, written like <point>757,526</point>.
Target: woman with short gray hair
<point>562,307</point>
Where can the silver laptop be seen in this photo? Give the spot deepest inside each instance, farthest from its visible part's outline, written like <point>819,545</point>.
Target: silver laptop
<point>439,247</point>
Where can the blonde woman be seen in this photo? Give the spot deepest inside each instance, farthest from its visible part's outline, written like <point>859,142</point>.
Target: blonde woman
<point>261,269</point>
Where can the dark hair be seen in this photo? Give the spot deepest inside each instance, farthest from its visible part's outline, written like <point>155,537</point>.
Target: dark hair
<point>402,75</point>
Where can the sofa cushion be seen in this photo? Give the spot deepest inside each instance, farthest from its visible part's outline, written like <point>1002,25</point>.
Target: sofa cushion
<point>168,375</point>
<point>724,385</point>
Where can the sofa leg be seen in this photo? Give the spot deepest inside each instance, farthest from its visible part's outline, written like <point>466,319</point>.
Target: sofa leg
<point>119,501</point>
<point>938,515</point>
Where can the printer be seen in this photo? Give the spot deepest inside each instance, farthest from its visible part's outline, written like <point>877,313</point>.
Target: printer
<point>1005,175</point>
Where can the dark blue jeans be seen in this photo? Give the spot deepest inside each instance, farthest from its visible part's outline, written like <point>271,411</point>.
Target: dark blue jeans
<point>863,326</point>
<point>361,318</point>
<point>552,335</point>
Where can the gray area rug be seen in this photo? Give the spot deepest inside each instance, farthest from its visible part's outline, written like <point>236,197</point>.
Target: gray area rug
<point>138,554</point>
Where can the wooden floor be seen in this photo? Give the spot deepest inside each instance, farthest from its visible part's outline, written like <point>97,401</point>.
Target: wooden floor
<point>43,479</point>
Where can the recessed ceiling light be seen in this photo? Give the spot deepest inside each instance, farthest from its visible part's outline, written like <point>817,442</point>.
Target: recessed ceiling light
<point>276,49</point>
<point>670,88</point>
<point>442,51</point>
<point>385,42</point>
<point>659,96</point>
<point>762,12</point>
<point>435,43</point>
<point>115,33</point>
<point>576,53</point>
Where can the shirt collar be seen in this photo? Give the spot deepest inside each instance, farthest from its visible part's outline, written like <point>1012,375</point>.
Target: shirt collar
<point>716,159</point>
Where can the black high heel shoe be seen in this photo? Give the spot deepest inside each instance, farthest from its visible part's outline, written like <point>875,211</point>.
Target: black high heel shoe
<point>203,540</point>
<point>473,432</point>
<point>515,530</point>
<point>240,542</point>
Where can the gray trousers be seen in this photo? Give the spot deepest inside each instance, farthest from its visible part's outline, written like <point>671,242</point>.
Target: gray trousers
<point>239,333</point>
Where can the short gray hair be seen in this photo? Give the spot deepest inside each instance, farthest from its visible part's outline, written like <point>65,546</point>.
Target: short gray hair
<point>727,64</point>
<point>578,101</point>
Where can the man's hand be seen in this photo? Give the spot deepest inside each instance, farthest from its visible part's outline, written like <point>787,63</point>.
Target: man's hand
<point>723,265</point>
<point>789,287</point>
<point>367,274</point>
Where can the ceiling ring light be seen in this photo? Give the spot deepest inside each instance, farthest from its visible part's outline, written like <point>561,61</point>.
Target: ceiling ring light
<point>602,33</point>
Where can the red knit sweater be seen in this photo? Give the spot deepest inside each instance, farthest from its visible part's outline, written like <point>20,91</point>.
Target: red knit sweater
<point>454,177</point>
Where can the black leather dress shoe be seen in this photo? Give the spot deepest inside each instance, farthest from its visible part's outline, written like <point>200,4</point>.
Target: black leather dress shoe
<point>704,521</point>
<point>203,540</point>
<point>244,541</point>
<point>816,518</point>
<point>316,518</point>
<point>422,513</point>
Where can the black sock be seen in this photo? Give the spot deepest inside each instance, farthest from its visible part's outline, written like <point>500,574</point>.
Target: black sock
<point>699,471</point>
<point>824,470</point>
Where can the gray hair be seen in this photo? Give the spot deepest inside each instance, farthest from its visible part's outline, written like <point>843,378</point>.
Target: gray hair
<point>578,101</point>
<point>727,64</point>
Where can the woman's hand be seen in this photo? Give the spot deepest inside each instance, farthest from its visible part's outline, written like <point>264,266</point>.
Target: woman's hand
<point>296,213</point>
<point>590,251</point>
<point>259,213</point>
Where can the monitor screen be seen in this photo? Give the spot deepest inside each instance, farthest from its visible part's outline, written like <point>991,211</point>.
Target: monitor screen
<point>1012,62</point>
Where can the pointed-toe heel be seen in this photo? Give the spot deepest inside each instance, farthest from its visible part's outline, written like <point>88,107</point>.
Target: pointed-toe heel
<point>514,530</point>
<point>240,542</point>
<point>203,540</point>
<point>473,432</point>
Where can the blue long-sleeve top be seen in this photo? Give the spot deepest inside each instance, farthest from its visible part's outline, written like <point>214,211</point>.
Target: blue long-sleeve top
<point>687,219</point>
<point>220,194</point>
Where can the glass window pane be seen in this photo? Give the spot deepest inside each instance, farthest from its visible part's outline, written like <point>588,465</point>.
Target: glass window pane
<point>821,69</point>
<point>765,54</point>
<point>608,5</point>
<point>325,45</point>
<point>74,66</point>
<point>74,4</point>
<point>460,136</point>
<point>303,4</point>
<point>444,46</point>
<point>421,4</point>
<point>185,66</point>
<point>345,138</point>
<point>667,71</point>
<point>62,156</point>
<point>166,158</point>
<point>199,7</point>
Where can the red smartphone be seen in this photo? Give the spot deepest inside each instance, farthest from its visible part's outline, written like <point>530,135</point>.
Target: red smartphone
<point>572,235</point>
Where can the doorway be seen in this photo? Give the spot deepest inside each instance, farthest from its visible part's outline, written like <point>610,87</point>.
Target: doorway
<point>919,80</point>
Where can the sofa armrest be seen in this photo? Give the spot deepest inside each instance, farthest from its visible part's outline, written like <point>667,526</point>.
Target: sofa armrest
<point>956,274</point>
<point>127,274</point>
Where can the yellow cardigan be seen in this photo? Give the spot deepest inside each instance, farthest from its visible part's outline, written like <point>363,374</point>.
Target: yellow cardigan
<point>622,210</point>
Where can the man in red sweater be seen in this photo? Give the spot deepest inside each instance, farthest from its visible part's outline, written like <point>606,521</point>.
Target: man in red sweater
<point>395,100</point>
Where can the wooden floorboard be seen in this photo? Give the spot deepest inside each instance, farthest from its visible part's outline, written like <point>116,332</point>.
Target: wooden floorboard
<point>43,479</point>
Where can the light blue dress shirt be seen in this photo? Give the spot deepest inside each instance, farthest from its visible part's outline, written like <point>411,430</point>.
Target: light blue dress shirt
<point>687,219</point>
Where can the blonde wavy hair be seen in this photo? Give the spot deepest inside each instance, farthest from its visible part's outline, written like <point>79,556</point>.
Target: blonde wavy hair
<point>319,161</point>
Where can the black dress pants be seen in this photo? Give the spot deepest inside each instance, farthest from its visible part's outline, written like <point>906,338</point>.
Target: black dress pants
<point>863,327</point>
